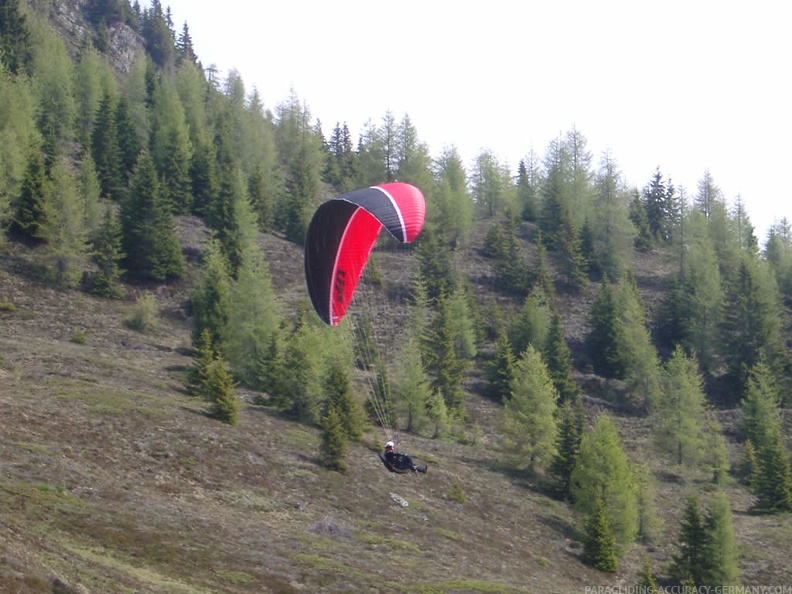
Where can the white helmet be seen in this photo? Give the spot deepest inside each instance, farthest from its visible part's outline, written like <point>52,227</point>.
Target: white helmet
<point>389,445</point>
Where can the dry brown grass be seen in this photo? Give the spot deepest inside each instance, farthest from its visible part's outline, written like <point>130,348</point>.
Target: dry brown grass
<point>112,479</point>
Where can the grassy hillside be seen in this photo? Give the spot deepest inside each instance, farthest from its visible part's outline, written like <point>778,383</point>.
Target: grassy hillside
<point>112,479</point>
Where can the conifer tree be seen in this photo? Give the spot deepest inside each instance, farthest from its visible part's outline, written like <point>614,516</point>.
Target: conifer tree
<point>15,39</point>
<point>646,581</point>
<point>528,187</point>
<point>253,312</point>
<point>105,150</point>
<point>29,219</point>
<point>334,441</point>
<point>640,220</point>
<point>599,545</point>
<point>338,390</point>
<point>604,471</point>
<point>219,391</point>
<point>649,523</point>
<point>605,340</point>
<point>771,478</point>
<point>412,386</point>
<point>679,410</point>
<point>445,365</point>
<point>211,297</point>
<point>107,255</point>
<point>434,265</point>
<point>203,358</point>
<point>529,425</point>
<point>128,141</point>
<point>721,547</point>
<point>558,358</point>
<point>753,323</point>
<point>150,241</point>
<point>500,370</point>
<point>437,411</point>
<point>532,324</point>
<point>689,563</point>
<point>571,418</point>
<point>450,208</point>
<point>68,237</point>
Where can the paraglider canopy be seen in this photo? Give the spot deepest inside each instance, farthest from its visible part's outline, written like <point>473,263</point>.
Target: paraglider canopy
<point>342,234</point>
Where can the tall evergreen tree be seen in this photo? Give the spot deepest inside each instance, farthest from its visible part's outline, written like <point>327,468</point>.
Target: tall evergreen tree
<point>500,369</point>
<point>29,220</point>
<point>15,39</point>
<point>150,240</point>
<point>605,342</point>
<point>445,365</point>
<point>599,545</point>
<point>105,150</point>
<point>211,297</point>
<point>219,391</point>
<point>571,418</point>
<point>689,563</point>
<point>558,358</point>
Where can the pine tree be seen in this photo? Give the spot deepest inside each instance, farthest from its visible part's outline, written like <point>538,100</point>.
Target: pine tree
<point>599,545</point>
<point>529,425</point>
<point>219,390</point>
<point>532,324</point>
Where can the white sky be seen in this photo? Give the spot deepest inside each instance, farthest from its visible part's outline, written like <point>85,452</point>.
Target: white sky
<point>684,85</point>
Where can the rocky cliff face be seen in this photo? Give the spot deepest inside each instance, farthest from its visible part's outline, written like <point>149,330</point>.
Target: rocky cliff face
<point>68,18</point>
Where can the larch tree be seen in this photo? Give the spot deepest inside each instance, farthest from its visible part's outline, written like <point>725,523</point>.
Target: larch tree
<point>679,410</point>
<point>603,471</point>
<point>613,234</point>
<point>529,425</point>
<point>68,236</point>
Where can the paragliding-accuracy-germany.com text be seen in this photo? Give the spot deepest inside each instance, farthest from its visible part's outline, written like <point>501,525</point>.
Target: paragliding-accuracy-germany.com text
<point>688,590</point>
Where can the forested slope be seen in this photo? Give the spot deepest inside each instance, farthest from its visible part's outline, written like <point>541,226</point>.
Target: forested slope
<point>596,375</point>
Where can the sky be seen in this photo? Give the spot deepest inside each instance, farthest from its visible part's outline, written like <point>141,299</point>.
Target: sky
<point>686,86</point>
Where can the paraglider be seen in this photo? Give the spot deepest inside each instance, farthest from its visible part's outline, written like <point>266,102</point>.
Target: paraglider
<point>339,241</point>
<point>398,462</point>
<point>342,234</point>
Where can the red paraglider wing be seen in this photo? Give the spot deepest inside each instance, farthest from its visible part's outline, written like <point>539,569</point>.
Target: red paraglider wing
<point>342,234</point>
